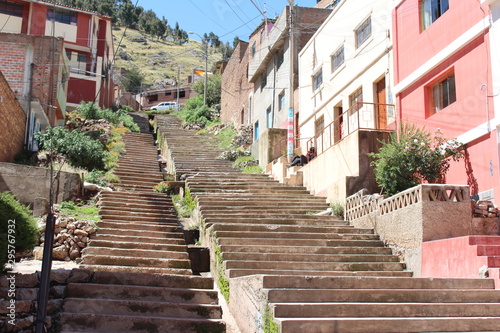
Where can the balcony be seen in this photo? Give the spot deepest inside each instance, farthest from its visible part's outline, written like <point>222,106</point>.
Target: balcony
<point>361,116</point>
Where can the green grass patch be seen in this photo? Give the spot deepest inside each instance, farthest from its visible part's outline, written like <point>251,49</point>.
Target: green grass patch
<point>225,137</point>
<point>87,211</point>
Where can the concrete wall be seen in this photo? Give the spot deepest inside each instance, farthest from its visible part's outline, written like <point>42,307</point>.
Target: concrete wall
<point>405,229</point>
<point>263,148</point>
<point>13,124</point>
<point>31,185</point>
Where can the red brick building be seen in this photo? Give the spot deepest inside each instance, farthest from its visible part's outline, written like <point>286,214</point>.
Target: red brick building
<point>235,88</point>
<point>12,124</point>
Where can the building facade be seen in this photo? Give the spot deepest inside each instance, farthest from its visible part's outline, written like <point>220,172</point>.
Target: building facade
<point>150,98</point>
<point>235,88</point>
<point>345,86</point>
<point>443,71</point>
<point>87,45</point>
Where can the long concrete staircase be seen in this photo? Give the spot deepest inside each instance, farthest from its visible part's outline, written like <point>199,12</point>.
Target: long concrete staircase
<point>143,280</point>
<point>317,273</point>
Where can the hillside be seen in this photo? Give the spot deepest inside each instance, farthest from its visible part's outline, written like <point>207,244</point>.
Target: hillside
<point>158,60</point>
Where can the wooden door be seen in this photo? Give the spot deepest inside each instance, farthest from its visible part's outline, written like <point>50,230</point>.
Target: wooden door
<point>381,108</point>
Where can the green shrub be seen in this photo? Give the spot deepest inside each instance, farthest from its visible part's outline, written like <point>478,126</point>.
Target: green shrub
<point>80,150</point>
<point>412,156</point>
<point>225,137</point>
<point>18,229</point>
<point>163,187</point>
<point>127,108</point>
<point>116,117</point>
<point>337,209</point>
<point>96,177</point>
<point>67,205</point>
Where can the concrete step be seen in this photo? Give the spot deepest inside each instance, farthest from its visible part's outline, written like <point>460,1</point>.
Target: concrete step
<point>332,310</point>
<point>484,240</point>
<point>143,240</point>
<point>103,259</point>
<point>153,280</point>
<point>305,249</point>
<point>141,213</point>
<point>123,231</point>
<point>383,295</point>
<point>389,325</point>
<point>317,266</point>
<point>137,269</point>
<point>113,216</point>
<point>138,253</point>
<point>134,245</point>
<point>291,258</point>
<point>140,307</point>
<point>234,273</point>
<point>88,322</point>
<point>303,282</point>
<point>146,293</point>
<point>290,228</point>
<point>488,250</point>
<point>302,242</point>
<point>293,235</point>
<point>144,206</point>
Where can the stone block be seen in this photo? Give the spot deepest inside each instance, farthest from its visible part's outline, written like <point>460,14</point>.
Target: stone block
<point>79,275</point>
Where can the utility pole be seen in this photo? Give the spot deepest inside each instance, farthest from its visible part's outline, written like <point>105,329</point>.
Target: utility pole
<point>179,66</point>
<point>291,43</point>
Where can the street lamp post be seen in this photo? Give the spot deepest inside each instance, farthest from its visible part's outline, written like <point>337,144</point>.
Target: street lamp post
<point>204,41</point>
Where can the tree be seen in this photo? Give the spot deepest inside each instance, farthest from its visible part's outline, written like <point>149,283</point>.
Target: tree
<point>132,79</point>
<point>127,14</point>
<point>213,89</point>
<point>236,40</point>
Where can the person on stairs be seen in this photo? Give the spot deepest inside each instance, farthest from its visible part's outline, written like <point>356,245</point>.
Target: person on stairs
<point>303,160</point>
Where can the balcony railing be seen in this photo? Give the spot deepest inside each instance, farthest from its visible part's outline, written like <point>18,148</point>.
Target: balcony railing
<point>361,116</point>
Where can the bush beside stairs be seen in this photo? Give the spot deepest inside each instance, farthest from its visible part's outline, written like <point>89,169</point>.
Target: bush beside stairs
<point>143,281</point>
<point>317,273</point>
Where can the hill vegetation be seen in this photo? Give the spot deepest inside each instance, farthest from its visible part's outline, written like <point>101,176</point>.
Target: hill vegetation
<point>150,52</point>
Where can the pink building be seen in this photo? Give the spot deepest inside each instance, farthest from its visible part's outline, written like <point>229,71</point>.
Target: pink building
<point>443,79</point>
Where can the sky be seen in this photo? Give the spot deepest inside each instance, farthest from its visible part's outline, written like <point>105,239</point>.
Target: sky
<point>225,18</point>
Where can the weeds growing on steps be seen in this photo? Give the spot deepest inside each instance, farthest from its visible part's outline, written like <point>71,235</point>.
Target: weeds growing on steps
<point>337,209</point>
<point>186,205</point>
<point>87,211</point>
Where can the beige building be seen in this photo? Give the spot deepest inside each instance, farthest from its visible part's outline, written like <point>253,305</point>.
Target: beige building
<point>345,85</point>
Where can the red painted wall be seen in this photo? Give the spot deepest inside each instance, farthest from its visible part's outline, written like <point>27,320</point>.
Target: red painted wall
<point>38,19</point>
<point>413,48</point>
<point>81,90</point>
<point>82,34</point>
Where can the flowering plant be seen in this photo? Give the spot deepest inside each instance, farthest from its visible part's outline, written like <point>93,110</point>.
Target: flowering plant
<point>412,156</point>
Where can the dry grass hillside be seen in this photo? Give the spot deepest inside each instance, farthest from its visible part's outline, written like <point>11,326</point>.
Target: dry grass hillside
<point>158,60</point>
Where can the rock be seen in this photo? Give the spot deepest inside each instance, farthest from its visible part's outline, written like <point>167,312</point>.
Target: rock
<point>80,275</point>
<point>91,187</point>
<point>139,39</point>
<point>59,275</point>
<point>60,252</point>
<point>27,280</point>
<point>81,244</point>
<point>63,223</point>
<point>24,323</point>
<point>80,232</point>
<point>74,253</point>
<point>71,226</point>
<point>84,239</point>
<point>58,291</point>
<point>38,253</point>
<point>89,230</point>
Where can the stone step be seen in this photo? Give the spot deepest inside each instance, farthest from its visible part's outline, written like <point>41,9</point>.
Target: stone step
<point>133,176</point>
<point>133,245</point>
<point>153,280</point>
<point>272,218</point>
<point>143,198</point>
<point>484,240</point>
<point>137,269</point>
<point>166,227</point>
<point>146,293</point>
<point>140,307</point>
<point>488,250</point>
<point>303,282</point>
<point>293,235</point>
<point>138,213</point>
<point>88,322</point>
<point>316,266</point>
<point>383,295</point>
<point>332,310</point>
<point>272,206</point>
<point>139,240</point>
<point>134,205</point>
<point>138,253</point>
<point>290,228</point>
<point>234,273</point>
<point>124,170</point>
<point>291,258</point>
<point>305,249</point>
<point>389,325</point>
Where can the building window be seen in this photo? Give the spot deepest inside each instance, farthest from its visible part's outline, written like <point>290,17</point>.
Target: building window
<point>282,101</point>
<point>263,81</point>
<point>256,131</point>
<point>11,8</point>
<point>62,16</point>
<point>338,58</point>
<point>443,93</point>
<point>431,10</point>
<point>281,59</point>
<point>356,100</point>
<point>318,80</point>
<point>269,115</point>
<point>319,126</point>
<point>182,93</point>
<point>363,32</point>
<point>253,49</point>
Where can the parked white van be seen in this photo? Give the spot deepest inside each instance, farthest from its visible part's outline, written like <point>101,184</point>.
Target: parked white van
<point>165,106</point>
